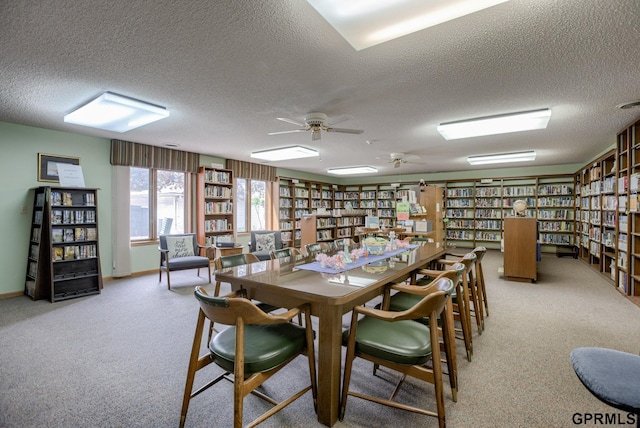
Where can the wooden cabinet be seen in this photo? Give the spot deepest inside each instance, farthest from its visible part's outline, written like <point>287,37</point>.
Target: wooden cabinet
<point>63,260</point>
<point>214,204</point>
<point>520,249</point>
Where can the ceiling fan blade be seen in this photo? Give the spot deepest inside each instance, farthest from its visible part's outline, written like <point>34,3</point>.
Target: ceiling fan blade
<point>346,131</point>
<point>295,122</point>
<point>287,132</point>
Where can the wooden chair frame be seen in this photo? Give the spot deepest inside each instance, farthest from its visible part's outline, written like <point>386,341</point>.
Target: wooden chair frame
<point>430,306</point>
<point>240,312</point>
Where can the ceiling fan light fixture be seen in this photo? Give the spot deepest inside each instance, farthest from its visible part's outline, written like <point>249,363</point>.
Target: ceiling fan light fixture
<point>285,153</point>
<point>352,170</point>
<point>525,156</point>
<point>494,125</point>
<point>117,113</point>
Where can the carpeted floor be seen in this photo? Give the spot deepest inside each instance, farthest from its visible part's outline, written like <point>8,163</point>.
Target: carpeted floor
<point>119,359</point>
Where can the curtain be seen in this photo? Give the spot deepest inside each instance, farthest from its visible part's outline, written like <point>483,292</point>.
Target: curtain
<point>120,240</point>
<point>126,153</point>
<point>252,171</point>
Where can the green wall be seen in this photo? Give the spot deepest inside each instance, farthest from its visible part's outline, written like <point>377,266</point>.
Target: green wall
<point>18,171</point>
<point>18,165</point>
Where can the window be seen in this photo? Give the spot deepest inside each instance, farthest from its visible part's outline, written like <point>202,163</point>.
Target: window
<point>159,212</point>
<point>251,205</point>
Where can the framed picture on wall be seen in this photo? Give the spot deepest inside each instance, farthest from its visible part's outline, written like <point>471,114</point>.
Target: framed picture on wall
<point>48,166</point>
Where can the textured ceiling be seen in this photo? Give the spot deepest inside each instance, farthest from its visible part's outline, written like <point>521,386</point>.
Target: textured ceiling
<point>227,69</point>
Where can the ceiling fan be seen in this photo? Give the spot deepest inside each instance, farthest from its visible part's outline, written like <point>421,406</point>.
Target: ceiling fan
<point>316,123</point>
<point>398,159</point>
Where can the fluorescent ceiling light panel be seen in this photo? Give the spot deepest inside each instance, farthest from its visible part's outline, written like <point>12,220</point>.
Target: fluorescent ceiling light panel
<point>352,170</point>
<point>116,113</point>
<point>493,125</point>
<point>503,158</point>
<point>285,153</point>
<point>366,23</point>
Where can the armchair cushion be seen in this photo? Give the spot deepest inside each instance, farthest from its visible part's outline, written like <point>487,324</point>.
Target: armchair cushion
<point>266,346</point>
<point>262,241</point>
<point>401,341</point>
<point>265,242</point>
<point>180,246</point>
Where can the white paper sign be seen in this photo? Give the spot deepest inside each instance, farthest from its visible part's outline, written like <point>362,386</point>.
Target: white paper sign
<point>70,175</point>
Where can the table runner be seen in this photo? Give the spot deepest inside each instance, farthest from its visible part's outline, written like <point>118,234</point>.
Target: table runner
<point>361,261</point>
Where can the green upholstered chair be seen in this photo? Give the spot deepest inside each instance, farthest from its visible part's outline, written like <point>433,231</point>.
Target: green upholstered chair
<point>254,347</point>
<point>316,248</point>
<point>234,260</point>
<point>181,252</point>
<point>394,340</point>
<point>402,301</point>
<point>284,253</point>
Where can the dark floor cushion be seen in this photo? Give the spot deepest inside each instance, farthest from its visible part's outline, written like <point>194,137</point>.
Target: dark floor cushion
<point>610,375</point>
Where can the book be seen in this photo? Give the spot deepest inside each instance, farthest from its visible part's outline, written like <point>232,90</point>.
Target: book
<point>92,234</point>
<point>57,235</point>
<point>80,234</point>
<point>56,198</point>
<point>67,199</point>
<point>67,217</point>
<point>69,235</point>
<point>79,215</point>
<point>35,234</point>
<point>37,217</point>
<point>33,252</point>
<point>56,217</point>
<point>89,199</point>
<point>57,253</point>
<point>69,252</point>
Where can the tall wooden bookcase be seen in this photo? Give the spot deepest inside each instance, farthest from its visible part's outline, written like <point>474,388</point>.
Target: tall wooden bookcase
<point>628,187</point>
<point>214,205</point>
<point>63,261</point>
<point>475,209</point>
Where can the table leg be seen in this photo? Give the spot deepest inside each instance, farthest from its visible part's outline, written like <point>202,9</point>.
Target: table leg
<point>329,363</point>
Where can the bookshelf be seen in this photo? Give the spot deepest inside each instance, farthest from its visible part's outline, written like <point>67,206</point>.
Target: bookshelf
<point>214,205</point>
<point>63,261</point>
<point>628,148</point>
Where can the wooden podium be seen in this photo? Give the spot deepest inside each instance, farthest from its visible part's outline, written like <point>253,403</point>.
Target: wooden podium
<point>520,249</point>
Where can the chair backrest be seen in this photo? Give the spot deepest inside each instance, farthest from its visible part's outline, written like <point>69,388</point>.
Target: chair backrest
<point>227,310</point>
<point>454,273</point>
<point>226,262</point>
<point>265,240</point>
<point>288,252</point>
<point>182,245</point>
<point>339,243</point>
<point>317,248</point>
<point>432,302</point>
<point>479,252</point>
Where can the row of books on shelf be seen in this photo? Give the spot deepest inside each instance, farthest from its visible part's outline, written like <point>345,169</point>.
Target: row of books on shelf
<point>217,192</point>
<point>67,198</point>
<point>214,176</point>
<point>72,216</point>
<point>216,225</point>
<point>223,207</point>
<point>73,252</point>
<point>74,234</point>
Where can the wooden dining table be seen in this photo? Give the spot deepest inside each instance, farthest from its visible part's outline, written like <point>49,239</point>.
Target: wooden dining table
<point>282,283</point>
